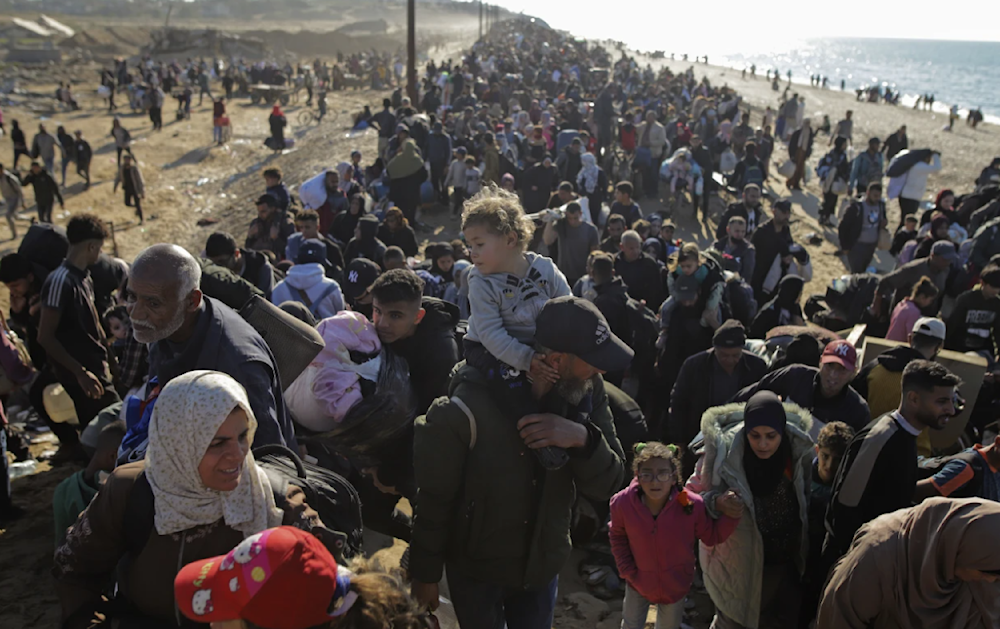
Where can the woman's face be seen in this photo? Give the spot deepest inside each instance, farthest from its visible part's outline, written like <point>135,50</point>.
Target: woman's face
<point>947,201</point>
<point>222,465</point>
<point>392,221</point>
<point>941,232</point>
<point>764,441</point>
<point>355,207</point>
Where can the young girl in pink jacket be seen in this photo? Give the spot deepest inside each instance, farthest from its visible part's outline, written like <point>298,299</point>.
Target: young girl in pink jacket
<point>654,525</point>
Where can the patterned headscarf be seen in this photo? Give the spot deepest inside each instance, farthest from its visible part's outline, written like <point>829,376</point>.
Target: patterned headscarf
<point>188,413</point>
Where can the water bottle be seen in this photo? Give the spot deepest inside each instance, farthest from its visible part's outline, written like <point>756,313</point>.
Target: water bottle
<point>23,468</point>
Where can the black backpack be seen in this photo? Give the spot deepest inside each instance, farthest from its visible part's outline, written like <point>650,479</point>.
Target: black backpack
<point>329,493</point>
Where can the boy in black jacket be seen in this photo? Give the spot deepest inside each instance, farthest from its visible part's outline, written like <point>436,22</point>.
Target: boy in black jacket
<point>974,324</point>
<point>904,234</point>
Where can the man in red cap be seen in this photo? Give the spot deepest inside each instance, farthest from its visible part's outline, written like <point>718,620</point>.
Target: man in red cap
<point>823,391</point>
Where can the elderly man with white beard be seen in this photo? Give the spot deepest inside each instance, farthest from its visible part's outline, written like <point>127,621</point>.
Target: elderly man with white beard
<point>186,330</point>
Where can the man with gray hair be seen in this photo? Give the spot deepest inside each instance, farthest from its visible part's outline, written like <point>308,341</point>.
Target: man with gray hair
<point>639,271</point>
<point>186,330</point>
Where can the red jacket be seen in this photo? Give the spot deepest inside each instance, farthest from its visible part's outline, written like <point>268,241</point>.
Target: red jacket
<point>657,555</point>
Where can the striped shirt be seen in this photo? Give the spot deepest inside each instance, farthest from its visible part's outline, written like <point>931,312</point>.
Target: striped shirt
<point>71,291</point>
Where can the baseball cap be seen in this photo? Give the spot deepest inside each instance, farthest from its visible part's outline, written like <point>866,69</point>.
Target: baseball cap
<point>945,249</point>
<point>840,352</point>
<point>575,326</point>
<point>730,334</point>
<point>311,251</point>
<point>281,578</point>
<point>685,288</point>
<point>930,326</point>
<point>359,277</point>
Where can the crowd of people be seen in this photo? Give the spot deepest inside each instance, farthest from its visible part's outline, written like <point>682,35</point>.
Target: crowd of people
<point>568,371</point>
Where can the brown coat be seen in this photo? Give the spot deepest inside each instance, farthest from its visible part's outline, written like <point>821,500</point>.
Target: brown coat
<point>86,562</point>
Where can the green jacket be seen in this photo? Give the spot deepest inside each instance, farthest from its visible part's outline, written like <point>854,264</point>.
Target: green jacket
<point>485,505</point>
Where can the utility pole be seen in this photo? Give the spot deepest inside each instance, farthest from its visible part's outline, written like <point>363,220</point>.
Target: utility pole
<point>411,51</point>
<point>480,19</point>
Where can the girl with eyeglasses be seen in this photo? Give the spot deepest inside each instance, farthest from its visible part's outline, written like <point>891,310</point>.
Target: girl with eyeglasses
<point>654,525</point>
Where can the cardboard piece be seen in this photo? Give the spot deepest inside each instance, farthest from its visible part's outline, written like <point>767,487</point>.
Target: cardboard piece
<point>970,369</point>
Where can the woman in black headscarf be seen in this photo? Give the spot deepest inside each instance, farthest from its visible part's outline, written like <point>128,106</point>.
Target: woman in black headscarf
<point>784,309</point>
<point>763,453</point>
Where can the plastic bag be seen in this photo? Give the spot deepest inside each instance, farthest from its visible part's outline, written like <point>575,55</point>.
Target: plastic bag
<point>312,192</point>
<point>378,418</point>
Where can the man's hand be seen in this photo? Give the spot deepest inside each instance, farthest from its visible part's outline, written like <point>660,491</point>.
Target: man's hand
<point>91,386</point>
<point>252,232</point>
<point>786,260</point>
<point>729,504</point>
<point>275,231</point>
<point>34,305</point>
<point>545,429</point>
<point>426,595</point>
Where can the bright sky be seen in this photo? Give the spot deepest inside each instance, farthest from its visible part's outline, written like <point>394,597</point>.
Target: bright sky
<point>648,23</point>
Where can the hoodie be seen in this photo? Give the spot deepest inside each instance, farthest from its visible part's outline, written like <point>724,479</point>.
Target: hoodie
<point>432,352</point>
<point>504,308</point>
<point>880,381</point>
<point>308,284</point>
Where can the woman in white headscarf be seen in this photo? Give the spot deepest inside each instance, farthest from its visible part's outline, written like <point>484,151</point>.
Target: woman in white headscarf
<point>593,184</point>
<point>198,494</point>
<point>933,566</point>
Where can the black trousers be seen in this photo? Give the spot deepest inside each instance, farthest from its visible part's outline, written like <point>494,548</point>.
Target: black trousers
<point>156,116</point>
<point>133,199</point>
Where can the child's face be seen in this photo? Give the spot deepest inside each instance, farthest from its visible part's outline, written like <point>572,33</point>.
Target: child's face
<point>649,475</point>
<point>688,267</point>
<point>489,252</point>
<point>911,225</point>
<point>118,328</point>
<point>445,263</point>
<point>827,466</point>
<point>667,232</point>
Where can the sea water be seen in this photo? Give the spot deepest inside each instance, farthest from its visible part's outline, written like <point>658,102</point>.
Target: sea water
<point>955,72</point>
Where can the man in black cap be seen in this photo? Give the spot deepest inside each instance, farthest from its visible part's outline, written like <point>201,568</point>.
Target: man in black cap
<point>711,378</point>
<point>358,280</point>
<point>484,506</point>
